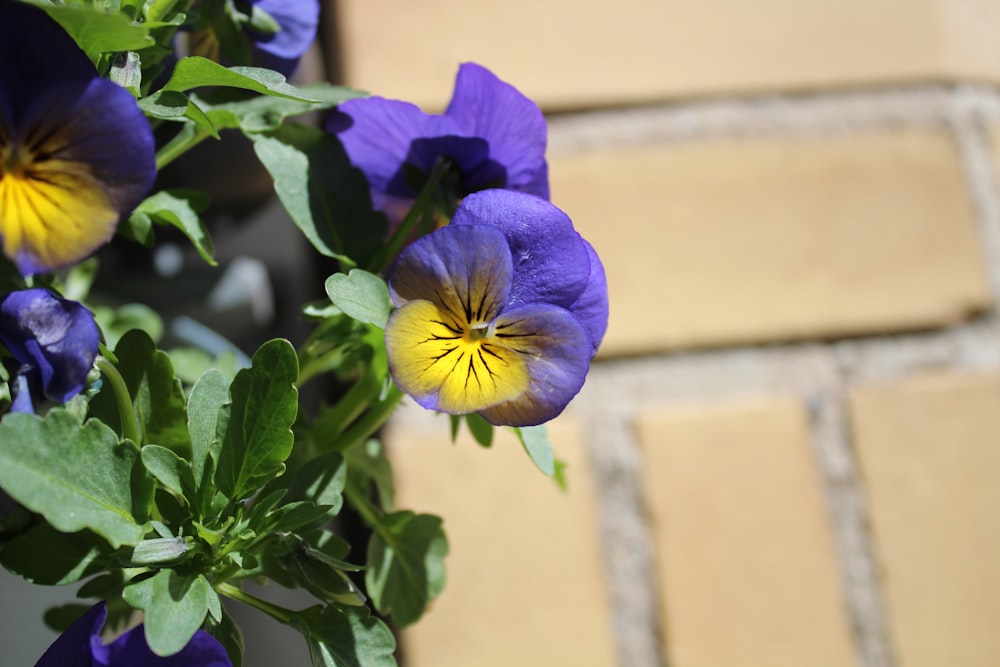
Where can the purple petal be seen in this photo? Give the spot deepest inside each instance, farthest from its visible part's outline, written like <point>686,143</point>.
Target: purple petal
<point>298,20</point>
<point>35,53</point>
<point>56,337</point>
<point>464,270</point>
<point>100,125</point>
<point>557,350</point>
<point>73,647</point>
<point>484,106</point>
<point>379,135</point>
<point>131,650</point>
<point>591,307</point>
<point>551,262</point>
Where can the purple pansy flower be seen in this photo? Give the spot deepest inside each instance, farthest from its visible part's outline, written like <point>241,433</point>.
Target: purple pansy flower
<point>54,341</point>
<point>297,21</point>
<point>81,646</point>
<point>498,313</point>
<point>491,135</point>
<point>76,153</point>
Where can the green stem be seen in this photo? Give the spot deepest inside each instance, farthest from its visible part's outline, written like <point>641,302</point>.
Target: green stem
<point>185,140</point>
<point>280,614</point>
<point>130,428</point>
<point>371,421</point>
<point>334,421</point>
<point>426,198</point>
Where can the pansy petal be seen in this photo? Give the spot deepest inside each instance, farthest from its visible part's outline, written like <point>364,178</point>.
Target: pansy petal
<point>298,20</point>
<point>557,351</point>
<point>35,55</point>
<point>484,106</point>
<point>378,135</point>
<point>464,270</point>
<point>444,366</point>
<point>131,650</point>
<point>551,262</point>
<point>73,647</point>
<point>591,308</point>
<point>55,336</point>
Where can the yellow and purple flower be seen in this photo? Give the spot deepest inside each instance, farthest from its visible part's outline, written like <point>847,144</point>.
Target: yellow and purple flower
<point>499,312</point>
<point>76,153</point>
<point>54,342</point>
<point>491,136</point>
<point>81,646</point>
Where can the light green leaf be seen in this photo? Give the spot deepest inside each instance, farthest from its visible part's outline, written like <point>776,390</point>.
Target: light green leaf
<point>97,33</point>
<point>175,607</point>
<point>406,564</point>
<point>195,72</point>
<point>207,398</point>
<point>75,476</point>
<point>232,109</point>
<point>362,295</point>
<point>536,442</point>
<point>176,106</point>
<point>173,472</point>
<point>258,434</point>
<point>181,208</point>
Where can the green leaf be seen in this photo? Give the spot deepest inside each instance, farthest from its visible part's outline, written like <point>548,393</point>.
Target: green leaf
<point>176,106</point>
<point>173,472</point>
<point>231,109</point>
<point>367,463</point>
<point>157,396</point>
<point>195,72</point>
<point>362,295</point>
<point>98,33</point>
<point>45,556</point>
<point>175,607</point>
<point>536,442</point>
<point>327,198</point>
<point>208,396</point>
<point>301,516</point>
<point>180,208</point>
<point>258,435</point>
<point>406,564</point>
<point>345,637</point>
<point>229,635</point>
<point>75,476</point>
<point>481,430</point>
<point>320,480</point>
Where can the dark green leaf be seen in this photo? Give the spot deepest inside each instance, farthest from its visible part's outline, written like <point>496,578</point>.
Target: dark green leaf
<point>321,480</point>
<point>362,295</point>
<point>157,396</point>
<point>326,197</point>
<point>406,564</point>
<point>176,106</point>
<point>366,464</point>
<point>45,556</point>
<point>175,608</point>
<point>480,429</point>
<point>229,635</point>
<point>76,477</point>
<point>61,617</point>
<point>172,471</point>
<point>345,637</point>
<point>258,435</point>
<point>536,442</point>
<point>300,516</point>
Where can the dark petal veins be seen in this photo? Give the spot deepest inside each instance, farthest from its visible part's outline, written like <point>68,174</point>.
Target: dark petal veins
<point>557,350</point>
<point>464,270</point>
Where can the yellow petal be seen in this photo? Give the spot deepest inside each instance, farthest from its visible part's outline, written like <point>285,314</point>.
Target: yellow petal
<point>445,366</point>
<point>54,213</point>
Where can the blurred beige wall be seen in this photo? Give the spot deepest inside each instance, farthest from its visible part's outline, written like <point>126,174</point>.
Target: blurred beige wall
<point>786,452</point>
